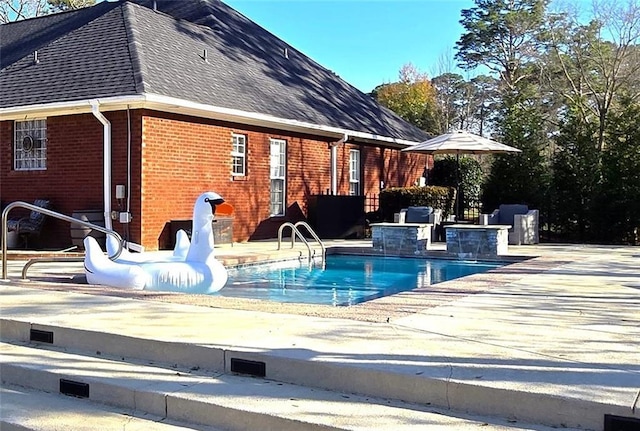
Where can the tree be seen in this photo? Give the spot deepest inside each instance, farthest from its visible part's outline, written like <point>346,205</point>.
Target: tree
<point>464,105</point>
<point>450,96</point>
<point>576,178</point>
<point>522,178</point>
<point>62,5</point>
<point>592,71</point>
<point>449,171</point>
<point>598,62</point>
<point>485,100</point>
<point>617,214</point>
<point>569,98</point>
<point>15,10</point>
<point>502,36</point>
<point>412,98</point>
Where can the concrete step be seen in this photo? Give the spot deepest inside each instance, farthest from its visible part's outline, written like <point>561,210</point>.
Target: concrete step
<point>24,409</point>
<point>436,389</point>
<point>232,402</point>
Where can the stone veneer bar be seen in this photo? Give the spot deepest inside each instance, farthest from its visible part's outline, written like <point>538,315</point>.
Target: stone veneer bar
<point>477,241</point>
<point>401,238</point>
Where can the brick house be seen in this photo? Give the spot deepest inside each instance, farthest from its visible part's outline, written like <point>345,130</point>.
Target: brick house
<point>170,99</point>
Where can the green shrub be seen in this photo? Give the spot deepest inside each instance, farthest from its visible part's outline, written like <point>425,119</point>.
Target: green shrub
<point>445,173</point>
<point>393,199</point>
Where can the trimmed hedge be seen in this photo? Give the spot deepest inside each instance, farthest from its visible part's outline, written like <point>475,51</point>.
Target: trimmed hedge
<point>393,199</point>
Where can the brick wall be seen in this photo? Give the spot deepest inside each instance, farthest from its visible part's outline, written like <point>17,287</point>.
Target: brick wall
<point>126,152</point>
<point>184,156</point>
<point>173,160</point>
<point>72,180</point>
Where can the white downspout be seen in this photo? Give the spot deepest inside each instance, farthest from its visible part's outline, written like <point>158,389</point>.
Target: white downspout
<point>95,109</point>
<point>334,163</point>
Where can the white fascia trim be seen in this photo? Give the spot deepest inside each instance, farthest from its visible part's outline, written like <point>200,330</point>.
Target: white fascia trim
<point>182,106</point>
<point>176,105</point>
<point>26,112</point>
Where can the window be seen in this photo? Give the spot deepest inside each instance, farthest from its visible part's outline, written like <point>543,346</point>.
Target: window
<point>354,172</point>
<point>239,155</point>
<point>30,145</point>
<point>278,176</point>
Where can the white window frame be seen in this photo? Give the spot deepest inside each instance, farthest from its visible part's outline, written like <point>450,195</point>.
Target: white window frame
<point>238,155</point>
<point>277,176</point>
<point>354,172</point>
<point>30,145</point>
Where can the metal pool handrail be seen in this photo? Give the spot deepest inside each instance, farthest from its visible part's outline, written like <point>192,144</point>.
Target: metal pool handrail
<point>314,235</point>
<point>48,212</point>
<point>295,231</point>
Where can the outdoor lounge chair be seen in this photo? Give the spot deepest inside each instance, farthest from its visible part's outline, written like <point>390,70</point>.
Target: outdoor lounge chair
<point>26,227</point>
<point>523,222</point>
<point>422,215</point>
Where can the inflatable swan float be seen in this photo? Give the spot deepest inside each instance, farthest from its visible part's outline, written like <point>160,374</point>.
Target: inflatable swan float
<point>192,267</point>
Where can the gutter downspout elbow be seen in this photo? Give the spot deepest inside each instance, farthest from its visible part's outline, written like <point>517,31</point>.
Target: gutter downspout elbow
<point>106,177</point>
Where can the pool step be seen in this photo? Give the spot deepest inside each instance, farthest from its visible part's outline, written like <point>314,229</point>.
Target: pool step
<point>194,397</point>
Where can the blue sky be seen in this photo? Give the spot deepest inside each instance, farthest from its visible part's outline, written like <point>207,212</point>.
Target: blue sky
<point>365,42</point>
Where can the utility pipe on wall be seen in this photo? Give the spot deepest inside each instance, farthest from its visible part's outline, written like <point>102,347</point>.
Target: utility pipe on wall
<point>334,163</point>
<point>106,177</point>
<point>128,162</point>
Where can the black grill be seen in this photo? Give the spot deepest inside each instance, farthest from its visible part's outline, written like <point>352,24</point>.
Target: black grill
<point>253,368</point>
<point>75,389</point>
<point>620,423</point>
<point>41,336</point>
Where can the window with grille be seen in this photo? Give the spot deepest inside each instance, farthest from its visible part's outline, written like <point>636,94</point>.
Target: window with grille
<point>239,155</point>
<point>278,176</point>
<point>30,145</point>
<point>354,172</point>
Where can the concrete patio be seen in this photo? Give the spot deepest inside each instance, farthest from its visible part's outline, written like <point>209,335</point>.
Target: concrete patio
<point>547,342</point>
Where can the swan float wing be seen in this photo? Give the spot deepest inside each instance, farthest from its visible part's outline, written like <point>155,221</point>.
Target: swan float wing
<point>100,270</point>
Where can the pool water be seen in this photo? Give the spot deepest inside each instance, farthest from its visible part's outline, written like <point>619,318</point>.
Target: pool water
<point>345,279</point>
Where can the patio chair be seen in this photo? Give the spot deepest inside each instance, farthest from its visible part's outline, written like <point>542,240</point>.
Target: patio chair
<point>523,222</point>
<point>422,215</point>
<point>27,227</point>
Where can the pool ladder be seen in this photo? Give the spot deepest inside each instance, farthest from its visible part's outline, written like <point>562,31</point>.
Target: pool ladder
<point>296,232</point>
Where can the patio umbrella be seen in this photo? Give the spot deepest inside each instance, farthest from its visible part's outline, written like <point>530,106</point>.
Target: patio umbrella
<point>460,142</point>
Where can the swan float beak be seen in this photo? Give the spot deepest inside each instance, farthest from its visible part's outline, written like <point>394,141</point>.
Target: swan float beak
<point>214,200</point>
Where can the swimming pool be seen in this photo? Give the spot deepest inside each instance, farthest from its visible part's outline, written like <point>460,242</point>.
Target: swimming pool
<point>345,279</point>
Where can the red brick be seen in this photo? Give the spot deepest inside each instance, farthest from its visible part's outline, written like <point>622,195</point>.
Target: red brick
<point>174,159</point>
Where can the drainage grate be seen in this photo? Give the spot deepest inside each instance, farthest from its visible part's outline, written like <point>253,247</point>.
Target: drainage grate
<point>41,336</point>
<point>75,389</point>
<point>620,423</point>
<point>253,368</point>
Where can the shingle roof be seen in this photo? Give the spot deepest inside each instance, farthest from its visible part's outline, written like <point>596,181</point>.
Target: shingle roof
<point>82,54</point>
<point>126,48</point>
